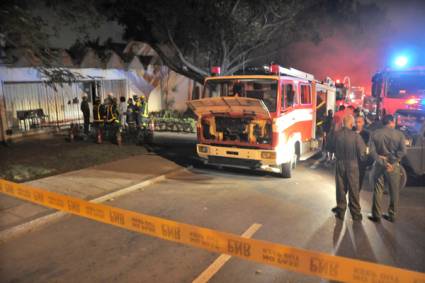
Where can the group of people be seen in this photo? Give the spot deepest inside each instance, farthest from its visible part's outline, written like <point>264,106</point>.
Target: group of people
<point>355,148</point>
<point>114,115</point>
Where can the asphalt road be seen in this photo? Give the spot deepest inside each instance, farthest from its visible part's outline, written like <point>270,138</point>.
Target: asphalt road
<point>292,212</point>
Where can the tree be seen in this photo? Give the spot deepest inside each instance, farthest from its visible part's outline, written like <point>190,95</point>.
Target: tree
<point>190,36</point>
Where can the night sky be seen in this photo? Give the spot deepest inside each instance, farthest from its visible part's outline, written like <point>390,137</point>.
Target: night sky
<point>349,51</point>
<point>360,54</point>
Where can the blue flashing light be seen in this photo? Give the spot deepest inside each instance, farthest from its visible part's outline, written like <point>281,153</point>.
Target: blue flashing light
<point>401,61</point>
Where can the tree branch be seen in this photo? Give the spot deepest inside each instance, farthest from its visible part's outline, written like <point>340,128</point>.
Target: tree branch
<point>181,56</point>
<point>235,7</point>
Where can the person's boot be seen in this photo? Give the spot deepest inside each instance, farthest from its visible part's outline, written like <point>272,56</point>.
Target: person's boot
<point>374,218</point>
<point>388,217</point>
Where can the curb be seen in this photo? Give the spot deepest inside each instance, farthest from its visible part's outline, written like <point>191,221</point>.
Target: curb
<point>38,223</point>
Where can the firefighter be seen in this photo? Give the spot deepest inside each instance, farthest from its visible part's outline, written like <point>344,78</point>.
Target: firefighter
<point>349,148</point>
<point>130,113</point>
<point>98,118</point>
<point>86,113</point>
<point>387,149</point>
<point>112,116</point>
<point>144,112</point>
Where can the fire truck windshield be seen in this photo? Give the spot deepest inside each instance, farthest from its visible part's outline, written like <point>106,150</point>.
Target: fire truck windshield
<point>263,89</point>
<point>405,85</point>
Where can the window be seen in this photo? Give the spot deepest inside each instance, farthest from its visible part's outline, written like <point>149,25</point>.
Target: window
<point>305,94</point>
<point>289,94</point>
<point>263,89</point>
<point>400,86</point>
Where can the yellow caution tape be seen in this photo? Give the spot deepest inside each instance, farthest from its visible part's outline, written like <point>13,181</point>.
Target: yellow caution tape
<point>290,258</point>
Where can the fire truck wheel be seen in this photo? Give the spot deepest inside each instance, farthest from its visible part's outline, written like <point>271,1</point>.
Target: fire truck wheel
<point>286,170</point>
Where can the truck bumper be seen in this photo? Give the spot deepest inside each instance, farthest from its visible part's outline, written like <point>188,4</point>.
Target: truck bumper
<point>254,159</point>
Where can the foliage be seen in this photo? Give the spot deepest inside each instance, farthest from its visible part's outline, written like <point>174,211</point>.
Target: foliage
<point>173,121</point>
<point>190,36</point>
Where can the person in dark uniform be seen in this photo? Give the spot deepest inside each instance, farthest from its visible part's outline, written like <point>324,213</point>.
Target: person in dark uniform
<point>349,148</point>
<point>327,127</point>
<point>86,113</point>
<point>387,148</point>
<point>365,134</point>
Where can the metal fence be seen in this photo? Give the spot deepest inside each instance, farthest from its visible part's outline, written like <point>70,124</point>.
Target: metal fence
<point>34,105</point>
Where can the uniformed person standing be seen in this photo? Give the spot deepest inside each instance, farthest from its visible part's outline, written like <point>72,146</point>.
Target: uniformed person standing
<point>144,112</point>
<point>349,149</point>
<point>365,134</point>
<point>387,148</point>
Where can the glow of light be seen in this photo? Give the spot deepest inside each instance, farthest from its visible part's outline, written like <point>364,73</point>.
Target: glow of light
<point>401,61</point>
<point>338,81</point>
<point>412,101</point>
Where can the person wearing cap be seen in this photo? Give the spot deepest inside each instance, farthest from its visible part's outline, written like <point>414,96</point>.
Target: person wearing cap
<point>86,113</point>
<point>387,146</point>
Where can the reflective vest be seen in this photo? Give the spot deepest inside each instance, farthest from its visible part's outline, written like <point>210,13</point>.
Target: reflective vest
<point>144,110</point>
<point>98,113</point>
<point>112,114</point>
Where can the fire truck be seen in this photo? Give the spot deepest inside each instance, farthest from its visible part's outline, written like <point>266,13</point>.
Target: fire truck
<point>262,118</point>
<point>356,96</point>
<point>397,89</point>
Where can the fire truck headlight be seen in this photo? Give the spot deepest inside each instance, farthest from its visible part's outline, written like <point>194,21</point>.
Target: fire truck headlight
<point>268,155</point>
<point>203,149</point>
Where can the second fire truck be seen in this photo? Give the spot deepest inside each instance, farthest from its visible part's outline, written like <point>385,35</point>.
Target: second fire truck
<point>398,89</point>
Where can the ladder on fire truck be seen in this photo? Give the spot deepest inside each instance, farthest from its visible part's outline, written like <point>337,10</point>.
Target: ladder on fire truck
<point>291,72</point>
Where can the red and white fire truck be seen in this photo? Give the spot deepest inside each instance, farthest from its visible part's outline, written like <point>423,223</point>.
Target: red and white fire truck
<point>397,89</point>
<point>263,119</point>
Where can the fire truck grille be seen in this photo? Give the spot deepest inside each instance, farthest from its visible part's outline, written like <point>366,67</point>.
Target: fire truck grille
<point>247,163</point>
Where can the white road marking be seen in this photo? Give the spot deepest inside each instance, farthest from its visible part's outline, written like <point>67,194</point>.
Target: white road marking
<point>208,273</point>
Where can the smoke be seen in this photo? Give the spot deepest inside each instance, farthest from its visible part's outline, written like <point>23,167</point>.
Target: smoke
<point>359,53</point>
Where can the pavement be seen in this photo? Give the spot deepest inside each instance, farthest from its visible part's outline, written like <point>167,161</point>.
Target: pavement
<point>89,184</point>
<point>294,212</point>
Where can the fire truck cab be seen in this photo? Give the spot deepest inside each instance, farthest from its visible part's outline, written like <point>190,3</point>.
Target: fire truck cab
<point>398,89</point>
<point>261,119</point>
